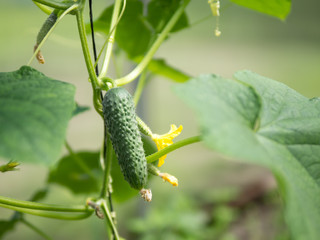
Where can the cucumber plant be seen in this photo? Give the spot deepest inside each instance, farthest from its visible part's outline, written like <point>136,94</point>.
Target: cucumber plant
<point>251,118</point>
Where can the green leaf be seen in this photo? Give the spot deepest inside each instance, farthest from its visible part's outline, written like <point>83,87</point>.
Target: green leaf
<point>160,11</point>
<point>276,8</point>
<point>79,172</point>
<point>34,114</point>
<point>133,32</point>
<point>160,67</point>
<point>264,122</point>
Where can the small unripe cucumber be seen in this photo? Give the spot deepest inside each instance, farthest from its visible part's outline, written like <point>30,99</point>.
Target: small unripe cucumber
<point>120,119</point>
<point>47,25</point>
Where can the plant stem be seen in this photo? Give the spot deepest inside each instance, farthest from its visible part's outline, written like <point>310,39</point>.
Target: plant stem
<point>34,228</point>
<point>153,157</point>
<point>71,8</point>
<point>85,49</point>
<point>148,57</point>
<point>62,216</point>
<point>55,4</point>
<point>110,32</point>
<point>41,206</point>
<point>87,58</point>
<point>107,163</point>
<point>114,22</point>
<point>141,84</point>
<point>109,219</point>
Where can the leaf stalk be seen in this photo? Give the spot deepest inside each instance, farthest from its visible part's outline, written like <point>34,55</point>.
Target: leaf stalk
<point>155,156</point>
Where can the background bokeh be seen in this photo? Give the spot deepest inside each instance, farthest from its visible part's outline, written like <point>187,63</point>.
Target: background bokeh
<point>209,184</point>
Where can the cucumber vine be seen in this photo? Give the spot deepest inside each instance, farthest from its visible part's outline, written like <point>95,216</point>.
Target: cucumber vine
<point>129,145</point>
<point>99,83</point>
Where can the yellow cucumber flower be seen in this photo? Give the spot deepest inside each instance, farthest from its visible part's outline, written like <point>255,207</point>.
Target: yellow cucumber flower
<point>165,140</point>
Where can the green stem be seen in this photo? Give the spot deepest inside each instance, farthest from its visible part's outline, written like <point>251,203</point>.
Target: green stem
<point>73,7</point>
<point>153,157</point>
<point>114,22</point>
<point>109,219</point>
<point>153,169</point>
<point>107,168</point>
<point>87,58</point>
<point>140,87</point>
<point>41,206</point>
<point>109,34</point>
<point>143,127</point>
<point>148,57</point>
<point>36,229</point>
<point>55,4</point>
<point>85,48</point>
<point>80,162</point>
<point>62,216</point>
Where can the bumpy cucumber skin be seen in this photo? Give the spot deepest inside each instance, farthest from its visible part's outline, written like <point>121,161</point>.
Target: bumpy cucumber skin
<point>47,25</point>
<point>120,119</point>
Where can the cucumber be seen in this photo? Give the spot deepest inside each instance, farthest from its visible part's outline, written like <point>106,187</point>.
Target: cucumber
<point>47,25</point>
<point>120,120</point>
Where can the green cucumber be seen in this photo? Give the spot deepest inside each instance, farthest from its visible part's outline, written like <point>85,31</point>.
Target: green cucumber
<point>120,120</point>
<point>47,25</point>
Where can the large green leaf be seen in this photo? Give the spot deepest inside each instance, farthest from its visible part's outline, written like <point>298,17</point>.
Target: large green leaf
<point>34,114</point>
<point>81,173</point>
<point>264,122</point>
<point>276,8</point>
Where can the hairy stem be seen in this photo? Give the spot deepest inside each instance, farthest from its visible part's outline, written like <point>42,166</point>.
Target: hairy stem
<point>148,57</point>
<point>109,220</point>
<point>107,169</point>
<point>87,58</point>
<point>114,22</point>
<point>49,214</point>
<point>108,36</point>
<point>41,206</point>
<point>153,157</point>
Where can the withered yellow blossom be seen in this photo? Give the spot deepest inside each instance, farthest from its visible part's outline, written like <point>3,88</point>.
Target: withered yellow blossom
<point>169,178</point>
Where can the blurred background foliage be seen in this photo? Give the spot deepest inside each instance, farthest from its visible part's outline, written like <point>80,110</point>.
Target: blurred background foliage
<point>217,198</point>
